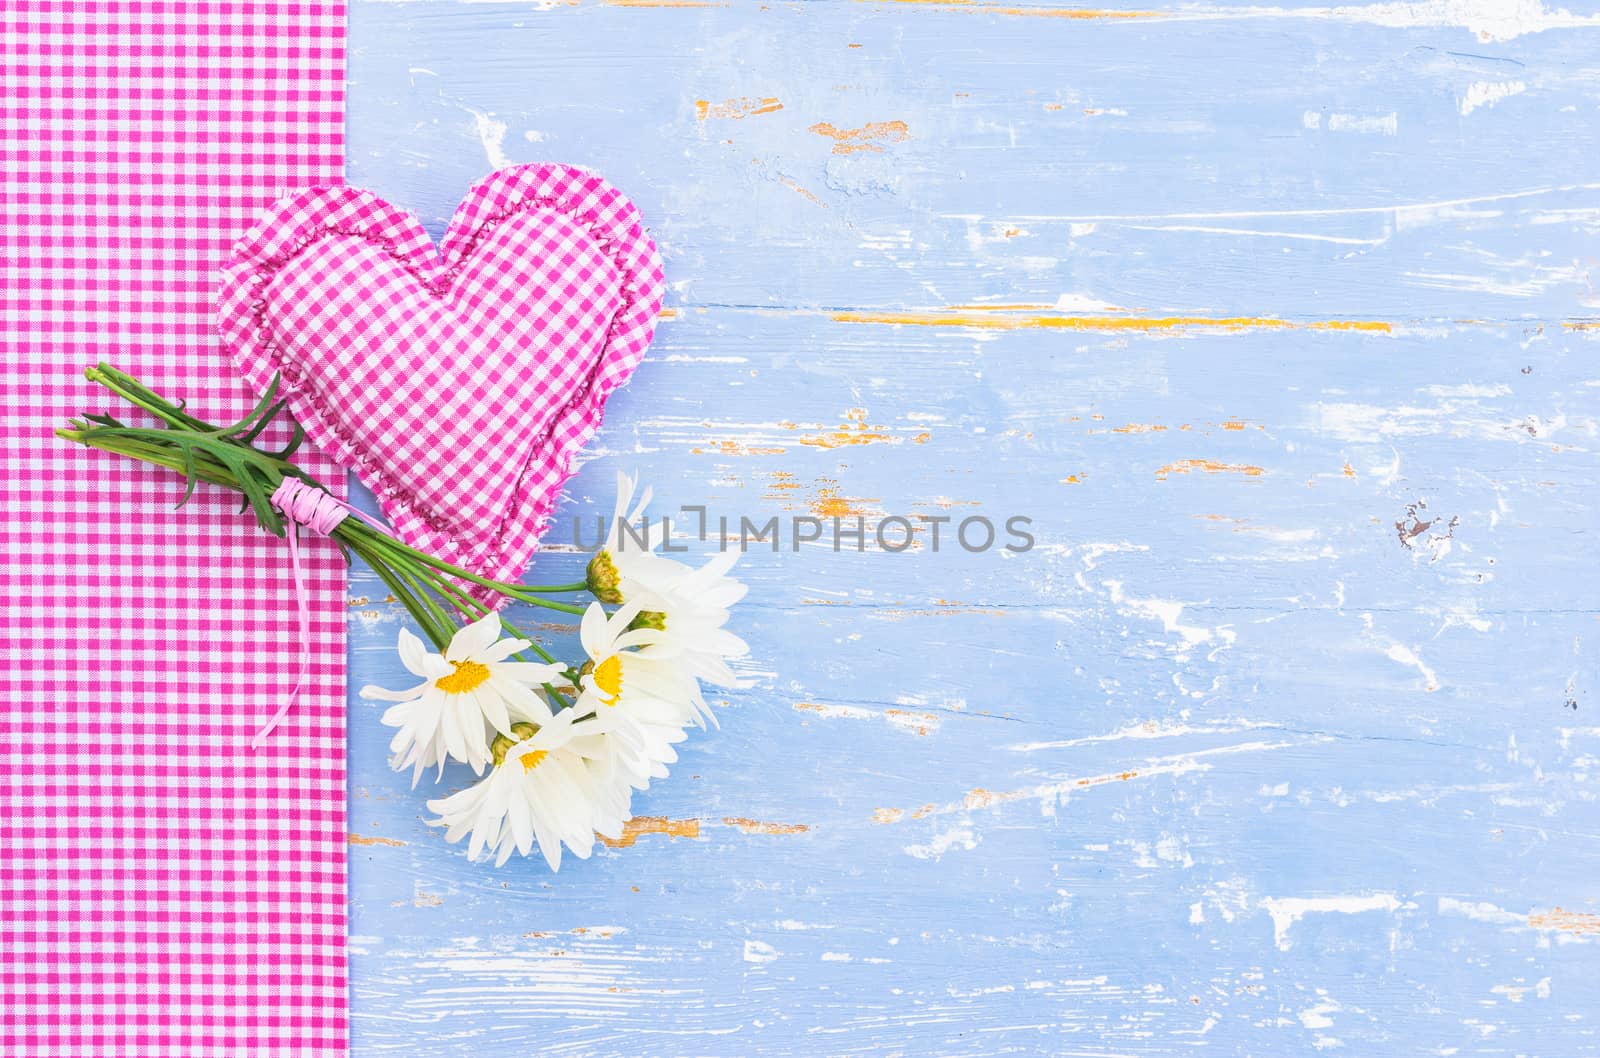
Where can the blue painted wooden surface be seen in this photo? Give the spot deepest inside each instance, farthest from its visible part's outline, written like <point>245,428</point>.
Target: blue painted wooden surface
<point>1283,738</point>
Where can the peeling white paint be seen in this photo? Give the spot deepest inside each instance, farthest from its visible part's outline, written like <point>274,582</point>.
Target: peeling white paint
<point>492,134</point>
<point>757,951</point>
<point>1286,911</point>
<point>1488,93</point>
<point>1406,656</point>
<point>957,838</point>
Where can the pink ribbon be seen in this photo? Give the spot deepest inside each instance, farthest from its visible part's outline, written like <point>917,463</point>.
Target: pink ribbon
<point>306,505</point>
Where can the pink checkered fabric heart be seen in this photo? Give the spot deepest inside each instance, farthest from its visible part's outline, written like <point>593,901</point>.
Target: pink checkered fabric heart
<point>458,383</point>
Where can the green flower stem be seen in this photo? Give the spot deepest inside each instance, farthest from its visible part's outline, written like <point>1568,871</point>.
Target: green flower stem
<point>436,612</point>
<point>118,443</point>
<point>515,591</point>
<point>136,393</point>
<point>473,609</point>
<point>439,634</point>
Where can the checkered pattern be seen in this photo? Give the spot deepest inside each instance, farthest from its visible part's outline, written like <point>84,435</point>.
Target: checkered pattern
<point>459,383</point>
<point>164,891</point>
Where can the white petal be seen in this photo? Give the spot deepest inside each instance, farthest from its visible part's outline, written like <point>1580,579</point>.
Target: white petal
<point>624,495</point>
<point>622,617</point>
<point>642,637</point>
<point>644,501</point>
<point>472,638</point>
<point>520,816</point>
<point>450,728</point>
<point>549,844</point>
<point>720,564</point>
<point>592,631</point>
<point>493,705</point>
<point>475,725</point>
<point>517,700</point>
<point>531,673</point>
<point>379,694</point>
<point>523,701</point>
<point>415,657</point>
<point>501,650</point>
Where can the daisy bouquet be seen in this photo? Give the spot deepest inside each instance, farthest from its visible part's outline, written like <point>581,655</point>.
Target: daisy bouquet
<point>559,746</point>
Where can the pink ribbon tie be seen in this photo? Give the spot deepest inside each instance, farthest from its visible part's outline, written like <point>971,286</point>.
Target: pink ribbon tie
<point>306,505</point>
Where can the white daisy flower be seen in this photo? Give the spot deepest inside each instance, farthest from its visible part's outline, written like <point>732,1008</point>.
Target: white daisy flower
<point>643,702</point>
<point>689,604</point>
<point>690,613</point>
<point>542,789</point>
<point>466,695</point>
<point>626,565</point>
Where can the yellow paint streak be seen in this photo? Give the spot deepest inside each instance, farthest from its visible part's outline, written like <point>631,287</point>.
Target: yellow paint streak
<point>999,320</point>
<point>853,431</point>
<point>756,826</point>
<point>1349,471</point>
<point>1565,921</point>
<point>981,798</point>
<point>779,484</point>
<point>664,3</point>
<point>1136,427</point>
<point>667,313</point>
<point>1096,780</point>
<point>362,839</point>
<point>1233,424</point>
<point>1072,479</point>
<point>920,723</point>
<point>736,109</point>
<point>805,193</point>
<point>1209,466</point>
<point>1079,14</point>
<point>734,448</point>
<point>871,137</point>
<point>639,826</point>
<point>829,504</point>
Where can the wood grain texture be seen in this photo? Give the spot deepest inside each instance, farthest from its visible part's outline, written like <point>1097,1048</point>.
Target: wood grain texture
<point>1279,324</point>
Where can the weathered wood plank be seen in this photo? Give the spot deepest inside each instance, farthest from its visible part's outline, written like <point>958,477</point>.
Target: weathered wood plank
<point>1274,321</point>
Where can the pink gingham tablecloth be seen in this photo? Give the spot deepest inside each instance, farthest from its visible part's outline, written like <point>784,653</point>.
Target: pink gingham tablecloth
<point>164,890</point>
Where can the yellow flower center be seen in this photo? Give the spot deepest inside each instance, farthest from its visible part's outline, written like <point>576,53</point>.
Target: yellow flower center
<point>468,675</point>
<point>608,677</point>
<point>533,758</point>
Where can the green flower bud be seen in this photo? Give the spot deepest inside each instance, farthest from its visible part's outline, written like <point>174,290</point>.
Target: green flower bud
<point>502,743</point>
<point>649,619</point>
<point>602,579</point>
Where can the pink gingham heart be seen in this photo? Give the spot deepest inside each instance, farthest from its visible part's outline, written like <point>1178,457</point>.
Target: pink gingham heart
<point>459,383</point>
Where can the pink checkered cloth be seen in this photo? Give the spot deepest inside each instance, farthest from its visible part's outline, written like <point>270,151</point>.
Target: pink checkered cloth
<point>458,383</point>
<point>164,890</point>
